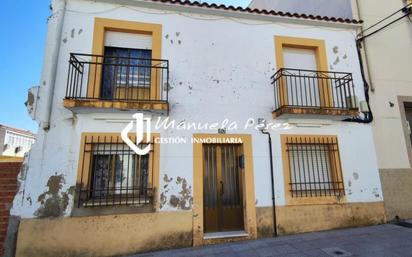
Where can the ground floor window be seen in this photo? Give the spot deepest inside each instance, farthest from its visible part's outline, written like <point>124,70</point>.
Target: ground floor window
<point>313,166</point>
<point>113,174</point>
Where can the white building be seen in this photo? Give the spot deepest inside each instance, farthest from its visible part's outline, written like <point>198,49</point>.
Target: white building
<point>385,38</point>
<point>15,142</point>
<point>389,62</point>
<point>194,64</point>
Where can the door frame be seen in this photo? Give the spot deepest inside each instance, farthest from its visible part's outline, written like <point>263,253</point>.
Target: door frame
<point>220,208</point>
<point>248,186</point>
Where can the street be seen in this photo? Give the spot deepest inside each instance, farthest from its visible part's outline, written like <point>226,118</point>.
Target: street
<point>382,240</point>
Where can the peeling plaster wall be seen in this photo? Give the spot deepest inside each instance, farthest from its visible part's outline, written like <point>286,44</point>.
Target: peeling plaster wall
<point>219,69</point>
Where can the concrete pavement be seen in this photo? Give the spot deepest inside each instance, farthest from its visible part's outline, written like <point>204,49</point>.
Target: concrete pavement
<point>374,241</point>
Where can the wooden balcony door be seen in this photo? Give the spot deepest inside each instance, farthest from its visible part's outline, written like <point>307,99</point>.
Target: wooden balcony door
<point>222,189</point>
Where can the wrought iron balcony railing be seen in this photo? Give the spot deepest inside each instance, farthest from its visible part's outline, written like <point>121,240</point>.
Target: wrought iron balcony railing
<point>299,91</point>
<point>114,78</point>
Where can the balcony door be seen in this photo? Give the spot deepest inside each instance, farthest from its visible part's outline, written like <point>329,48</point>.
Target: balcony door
<point>304,79</point>
<point>127,66</point>
<point>222,194</point>
<point>303,83</point>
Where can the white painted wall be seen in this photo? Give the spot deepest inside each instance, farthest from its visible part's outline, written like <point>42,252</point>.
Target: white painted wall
<point>219,68</point>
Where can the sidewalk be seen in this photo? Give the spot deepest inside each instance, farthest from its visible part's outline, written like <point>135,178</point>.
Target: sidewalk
<point>375,241</point>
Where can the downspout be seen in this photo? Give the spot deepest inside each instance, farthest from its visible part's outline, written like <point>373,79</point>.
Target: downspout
<point>362,55</point>
<point>275,231</point>
<point>368,115</point>
<point>55,60</point>
<point>363,49</point>
<point>360,38</point>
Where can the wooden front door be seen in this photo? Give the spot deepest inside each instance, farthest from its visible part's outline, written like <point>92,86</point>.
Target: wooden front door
<point>222,188</point>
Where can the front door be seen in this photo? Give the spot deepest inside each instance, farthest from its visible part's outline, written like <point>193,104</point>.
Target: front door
<point>222,188</point>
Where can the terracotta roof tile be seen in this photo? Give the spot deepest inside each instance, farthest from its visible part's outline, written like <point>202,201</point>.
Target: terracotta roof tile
<point>258,11</point>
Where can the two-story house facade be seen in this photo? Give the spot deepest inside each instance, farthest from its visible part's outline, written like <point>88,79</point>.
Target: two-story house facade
<point>214,83</point>
<point>387,42</point>
<point>384,43</point>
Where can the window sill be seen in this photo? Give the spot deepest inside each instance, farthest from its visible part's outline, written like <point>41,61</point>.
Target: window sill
<point>96,203</point>
<point>110,210</point>
<point>315,200</point>
<point>91,105</point>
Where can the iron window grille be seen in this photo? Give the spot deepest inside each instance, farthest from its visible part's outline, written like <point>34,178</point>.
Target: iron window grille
<point>113,174</point>
<point>314,167</point>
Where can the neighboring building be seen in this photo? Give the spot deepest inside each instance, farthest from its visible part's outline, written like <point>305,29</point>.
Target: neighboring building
<point>195,64</point>
<point>15,142</point>
<point>389,59</point>
<point>9,169</point>
<point>329,8</point>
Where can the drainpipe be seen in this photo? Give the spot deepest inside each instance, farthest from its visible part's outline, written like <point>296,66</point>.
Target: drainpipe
<point>275,231</point>
<point>368,115</point>
<point>54,63</point>
<point>364,67</point>
<point>364,56</point>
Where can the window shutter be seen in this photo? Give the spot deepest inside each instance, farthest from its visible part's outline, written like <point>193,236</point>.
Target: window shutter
<point>128,40</point>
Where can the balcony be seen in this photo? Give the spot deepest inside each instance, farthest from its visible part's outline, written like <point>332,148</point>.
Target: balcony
<point>310,93</point>
<point>116,83</point>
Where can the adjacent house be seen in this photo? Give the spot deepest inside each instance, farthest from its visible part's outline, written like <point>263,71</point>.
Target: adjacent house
<point>266,133</point>
<point>334,8</point>
<point>388,49</point>
<point>15,142</point>
<point>384,43</point>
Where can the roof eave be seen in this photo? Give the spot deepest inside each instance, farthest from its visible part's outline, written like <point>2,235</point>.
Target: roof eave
<point>231,13</point>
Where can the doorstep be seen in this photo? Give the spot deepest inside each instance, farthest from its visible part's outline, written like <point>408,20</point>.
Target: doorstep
<point>229,234</point>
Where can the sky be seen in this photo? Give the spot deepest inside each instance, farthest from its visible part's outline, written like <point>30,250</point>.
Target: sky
<point>22,40</point>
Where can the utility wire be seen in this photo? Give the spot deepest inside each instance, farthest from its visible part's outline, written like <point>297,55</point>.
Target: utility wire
<point>407,9</point>
<point>387,17</point>
<point>381,28</point>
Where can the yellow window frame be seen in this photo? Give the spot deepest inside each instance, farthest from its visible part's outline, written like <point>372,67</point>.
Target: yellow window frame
<point>101,25</point>
<point>335,163</point>
<point>85,160</point>
<point>321,62</point>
